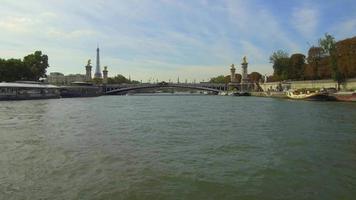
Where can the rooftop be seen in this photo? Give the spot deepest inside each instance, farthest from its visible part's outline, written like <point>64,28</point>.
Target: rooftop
<point>26,85</point>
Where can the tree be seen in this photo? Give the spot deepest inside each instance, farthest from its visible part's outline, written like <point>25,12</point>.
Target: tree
<point>219,79</point>
<point>13,70</point>
<point>280,60</point>
<point>278,55</point>
<point>297,65</point>
<point>120,79</point>
<point>346,57</point>
<point>37,63</point>
<point>97,81</point>
<point>328,45</point>
<point>255,77</point>
<point>237,76</point>
<point>315,54</point>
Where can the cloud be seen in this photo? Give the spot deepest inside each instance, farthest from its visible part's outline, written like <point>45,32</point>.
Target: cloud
<point>345,29</point>
<point>305,20</point>
<point>157,38</point>
<point>16,24</point>
<point>257,23</point>
<point>75,34</point>
<point>255,53</point>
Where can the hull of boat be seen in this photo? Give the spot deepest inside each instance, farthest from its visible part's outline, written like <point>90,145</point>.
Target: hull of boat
<point>346,96</point>
<point>309,97</point>
<point>245,94</point>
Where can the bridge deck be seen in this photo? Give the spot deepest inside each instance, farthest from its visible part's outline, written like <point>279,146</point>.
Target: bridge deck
<point>112,89</point>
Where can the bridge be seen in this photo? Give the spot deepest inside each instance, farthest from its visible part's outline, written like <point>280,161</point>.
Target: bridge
<point>124,88</point>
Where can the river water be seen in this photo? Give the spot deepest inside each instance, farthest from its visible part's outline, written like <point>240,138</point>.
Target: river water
<point>177,147</point>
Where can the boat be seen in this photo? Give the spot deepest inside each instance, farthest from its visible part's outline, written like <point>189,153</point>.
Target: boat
<point>223,93</point>
<point>242,94</point>
<point>305,94</point>
<point>80,89</point>
<point>276,94</point>
<point>26,90</point>
<point>344,96</point>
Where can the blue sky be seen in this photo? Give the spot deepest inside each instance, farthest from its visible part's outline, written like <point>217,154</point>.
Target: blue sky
<point>164,39</point>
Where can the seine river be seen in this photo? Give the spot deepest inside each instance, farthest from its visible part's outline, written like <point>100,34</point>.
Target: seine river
<point>177,147</point>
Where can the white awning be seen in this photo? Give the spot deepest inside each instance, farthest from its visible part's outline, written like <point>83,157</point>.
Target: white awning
<point>25,85</point>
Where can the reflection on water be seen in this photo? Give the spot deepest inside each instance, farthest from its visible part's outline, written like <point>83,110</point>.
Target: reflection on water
<point>177,147</point>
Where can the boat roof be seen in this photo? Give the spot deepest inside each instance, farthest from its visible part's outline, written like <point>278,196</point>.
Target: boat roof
<point>26,85</point>
<point>81,83</point>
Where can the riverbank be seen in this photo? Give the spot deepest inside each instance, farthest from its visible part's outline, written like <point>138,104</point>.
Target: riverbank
<point>37,90</point>
<point>347,85</point>
<point>269,94</point>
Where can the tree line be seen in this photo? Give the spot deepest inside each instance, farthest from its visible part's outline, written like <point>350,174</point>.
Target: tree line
<point>253,77</point>
<point>120,79</point>
<point>31,68</point>
<point>329,59</point>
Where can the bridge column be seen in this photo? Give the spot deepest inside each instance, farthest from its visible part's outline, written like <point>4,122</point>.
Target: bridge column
<point>105,75</point>
<point>244,74</point>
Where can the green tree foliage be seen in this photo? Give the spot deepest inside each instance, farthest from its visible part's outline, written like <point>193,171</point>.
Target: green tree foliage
<point>11,70</point>
<point>296,66</point>
<point>280,61</point>
<point>97,81</point>
<point>220,79</point>
<point>277,56</point>
<point>120,79</point>
<point>328,45</point>
<point>288,68</point>
<point>315,55</point>
<point>31,68</point>
<point>37,63</point>
<point>330,59</point>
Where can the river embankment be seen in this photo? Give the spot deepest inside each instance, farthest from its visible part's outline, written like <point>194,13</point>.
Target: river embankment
<point>347,85</point>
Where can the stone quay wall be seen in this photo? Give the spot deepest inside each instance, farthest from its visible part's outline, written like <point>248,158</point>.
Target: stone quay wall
<point>349,84</point>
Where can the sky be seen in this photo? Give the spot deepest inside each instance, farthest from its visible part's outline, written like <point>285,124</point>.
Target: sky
<point>167,39</point>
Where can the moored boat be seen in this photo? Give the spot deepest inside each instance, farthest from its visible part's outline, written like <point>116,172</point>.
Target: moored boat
<point>27,91</point>
<point>308,95</point>
<point>223,93</point>
<point>242,94</point>
<point>80,89</point>
<point>344,96</point>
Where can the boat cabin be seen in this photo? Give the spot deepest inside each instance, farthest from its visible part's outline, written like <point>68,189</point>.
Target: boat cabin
<point>27,91</point>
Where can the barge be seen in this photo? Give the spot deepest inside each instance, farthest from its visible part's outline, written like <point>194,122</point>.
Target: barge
<point>344,96</point>
<point>28,91</point>
<point>308,95</point>
<point>80,89</point>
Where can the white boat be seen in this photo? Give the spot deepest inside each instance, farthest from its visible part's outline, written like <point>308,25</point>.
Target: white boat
<point>27,91</point>
<point>223,93</point>
<point>305,94</point>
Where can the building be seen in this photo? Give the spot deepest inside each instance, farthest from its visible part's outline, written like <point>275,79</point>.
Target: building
<point>57,78</point>
<point>74,78</point>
